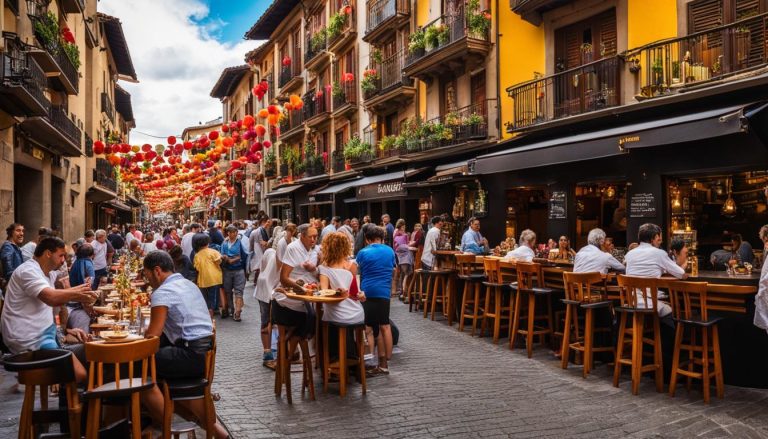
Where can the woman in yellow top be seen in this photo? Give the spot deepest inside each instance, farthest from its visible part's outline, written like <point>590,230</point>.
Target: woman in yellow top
<point>209,277</point>
<point>563,252</point>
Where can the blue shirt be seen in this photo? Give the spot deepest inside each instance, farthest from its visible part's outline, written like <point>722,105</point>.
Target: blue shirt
<point>188,317</point>
<point>231,250</point>
<point>376,262</point>
<point>10,255</point>
<point>81,269</point>
<point>471,242</point>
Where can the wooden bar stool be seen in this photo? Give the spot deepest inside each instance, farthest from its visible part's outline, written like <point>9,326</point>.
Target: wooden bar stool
<point>118,355</point>
<point>413,289</point>
<point>437,285</point>
<point>283,367</point>
<point>340,367</point>
<point>42,369</point>
<point>641,308</point>
<point>526,272</point>
<point>471,272</point>
<point>494,308</point>
<point>689,305</point>
<point>580,294</point>
<point>189,389</point>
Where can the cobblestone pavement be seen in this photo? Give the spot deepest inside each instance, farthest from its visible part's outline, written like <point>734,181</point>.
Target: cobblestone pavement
<point>448,384</point>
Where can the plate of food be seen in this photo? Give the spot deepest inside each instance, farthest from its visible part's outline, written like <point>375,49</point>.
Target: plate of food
<point>327,293</point>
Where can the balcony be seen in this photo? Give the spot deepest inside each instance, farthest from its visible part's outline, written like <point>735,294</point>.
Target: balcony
<point>449,46</point>
<point>315,166</point>
<point>583,89</point>
<point>460,127</point>
<point>384,17</point>
<point>317,106</point>
<point>73,6</point>
<point>270,87</point>
<point>22,81</point>
<point>532,10</point>
<point>107,107</point>
<point>104,175</point>
<point>316,47</point>
<point>53,59</point>
<point>392,88</point>
<point>292,125</point>
<point>290,78</point>
<point>675,65</point>
<point>342,29</point>
<point>339,164</point>
<point>56,131</point>
<point>344,98</point>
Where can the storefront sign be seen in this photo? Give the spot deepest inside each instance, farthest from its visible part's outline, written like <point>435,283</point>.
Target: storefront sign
<point>642,205</point>
<point>381,190</point>
<point>38,154</point>
<point>557,205</point>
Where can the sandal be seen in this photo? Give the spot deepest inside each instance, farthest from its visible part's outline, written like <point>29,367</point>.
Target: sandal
<point>236,317</point>
<point>376,372</point>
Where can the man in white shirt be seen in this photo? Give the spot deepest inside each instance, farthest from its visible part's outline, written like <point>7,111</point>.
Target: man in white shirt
<point>648,260</point>
<point>299,264</point>
<point>258,242</point>
<point>524,252</point>
<point>331,227</point>
<point>431,243</point>
<point>28,249</point>
<point>27,318</point>
<point>186,240</point>
<point>592,259</point>
<point>102,256</point>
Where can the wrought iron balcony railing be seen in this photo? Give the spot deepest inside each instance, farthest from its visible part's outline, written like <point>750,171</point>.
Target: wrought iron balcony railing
<point>345,94</point>
<point>107,107</point>
<point>20,70</point>
<point>379,11</point>
<point>443,31</point>
<point>104,175</point>
<point>59,119</point>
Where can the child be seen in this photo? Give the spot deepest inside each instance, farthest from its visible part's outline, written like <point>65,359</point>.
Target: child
<point>209,277</point>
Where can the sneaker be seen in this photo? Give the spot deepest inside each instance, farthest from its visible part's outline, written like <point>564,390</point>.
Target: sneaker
<point>376,372</point>
<point>268,356</point>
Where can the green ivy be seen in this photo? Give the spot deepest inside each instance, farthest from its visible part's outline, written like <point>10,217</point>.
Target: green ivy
<point>73,53</point>
<point>47,30</point>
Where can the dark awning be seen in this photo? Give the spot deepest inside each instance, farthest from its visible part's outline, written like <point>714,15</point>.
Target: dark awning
<point>228,81</point>
<point>619,140</point>
<point>284,190</point>
<point>99,194</point>
<point>270,19</point>
<point>119,205</point>
<point>118,47</point>
<point>123,103</point>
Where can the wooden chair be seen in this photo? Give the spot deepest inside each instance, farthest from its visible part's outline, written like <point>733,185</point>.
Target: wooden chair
<point>283,369</point>
<point>189,389</point>
<point>471,272</point>
<point>580,294</point>
<point>689,305</point>
<point>494,308</point>
<point>341,366</point>
<point>640,307</point>
<point>525,288</point>
<point>118,355</point>
<point>413,289</point>
<point>437,293</point>
<point>42,369</point>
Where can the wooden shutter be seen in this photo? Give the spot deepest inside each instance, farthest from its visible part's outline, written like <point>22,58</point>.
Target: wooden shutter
<point>568,47</point>
<point>704,14</point>
<point>607,38</point>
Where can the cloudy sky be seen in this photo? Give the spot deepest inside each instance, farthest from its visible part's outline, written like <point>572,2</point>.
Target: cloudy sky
<point>179,48</point>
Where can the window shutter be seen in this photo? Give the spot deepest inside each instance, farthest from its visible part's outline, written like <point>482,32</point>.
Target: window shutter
<point>704,14</point>
<point>572,42</point>
<point>607,34</point>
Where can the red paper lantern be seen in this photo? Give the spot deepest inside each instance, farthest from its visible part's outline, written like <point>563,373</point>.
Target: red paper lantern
<point>260,130</point>
<point>146,147</point>
<point>224,128</point>
<point>98,147</point>
<point>267,144</point>
<point>187,145</point>
<point>248,120</point>
<point>171,140</point>
<point>286,61</point>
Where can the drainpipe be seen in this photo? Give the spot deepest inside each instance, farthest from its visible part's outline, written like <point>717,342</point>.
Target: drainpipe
<point>498,77</point>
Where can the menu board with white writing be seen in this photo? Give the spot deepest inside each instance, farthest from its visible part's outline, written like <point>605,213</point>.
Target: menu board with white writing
<point>642,205</point>
<point>557,208</point>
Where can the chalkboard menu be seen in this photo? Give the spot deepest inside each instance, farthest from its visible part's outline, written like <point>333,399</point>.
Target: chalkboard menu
<point>642,205</point>
<point>557,208</point>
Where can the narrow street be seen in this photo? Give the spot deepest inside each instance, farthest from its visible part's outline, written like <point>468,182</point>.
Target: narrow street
<point>448,384</point>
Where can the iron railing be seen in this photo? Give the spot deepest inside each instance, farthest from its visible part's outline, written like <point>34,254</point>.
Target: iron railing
<point>18,68</point>
<point>286,74</point>
<point>59,119</point>
<point>316,43</point>
<point>56,50</point>
<point>339,164</point>
<point>349,25</point>
<point>88,146</point>
<point>582,89</point>
<point>702,56</point>
<point>463,125</point>
<point>390,73</point>
<point>379,11</point>
<point>315,166</point>
<point>107,107</point>
<point>315,105</point>
<point>270,87</point>
<point>450,28</point>
<point>346,94</point>
<point>294,120</point>
<point>104,175</point>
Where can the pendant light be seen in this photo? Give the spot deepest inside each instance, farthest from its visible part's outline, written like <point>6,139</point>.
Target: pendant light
<point>729,207</point>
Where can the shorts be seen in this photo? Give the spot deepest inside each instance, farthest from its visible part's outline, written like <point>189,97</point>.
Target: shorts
<point>264,309</point>
<point>234,282</point>
<point>175,361</point>
<point>211,295</point>
<point>49,338</point>
<point>376,312</point>
<point>301,321</point>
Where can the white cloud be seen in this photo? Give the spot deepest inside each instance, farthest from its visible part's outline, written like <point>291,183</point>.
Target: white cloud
<point>177,62</point>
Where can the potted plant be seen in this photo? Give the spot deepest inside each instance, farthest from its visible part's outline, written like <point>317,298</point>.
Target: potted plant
<point>586,53</point>
<point>443,34</point>
<point>376,56</point>
<point>478,22</point>
<point>676,72</point>
<point>270,162</point>
<point>336,24</point>
<point>657,67</point>
<point>400,143</point>
<point>317,42</point>
<point>338,90</point>
<point>417,43</point>
<point>370,82</point>
<point>431,37</point>
<point>387,143</point>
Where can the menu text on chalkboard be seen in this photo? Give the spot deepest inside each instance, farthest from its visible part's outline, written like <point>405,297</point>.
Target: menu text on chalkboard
<point>557,206</point>
<point>642,205</point>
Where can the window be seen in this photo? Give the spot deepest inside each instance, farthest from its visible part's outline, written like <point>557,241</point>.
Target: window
<point>585,41</point>
<point>75,175</point>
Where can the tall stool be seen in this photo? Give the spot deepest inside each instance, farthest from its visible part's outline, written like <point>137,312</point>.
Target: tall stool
<point>638,298</point>
<point>525,289</point>
<point>579,294</point>
<point>494,308</point>
<point>283,367</point>
<point>437,286</point>
<point>689,304</point>
<point>42,369</point>
<point>190,389</point>
<point>341,366</point>
<point>471,272</point>
<point>413,289</point>
<point>117,355</point>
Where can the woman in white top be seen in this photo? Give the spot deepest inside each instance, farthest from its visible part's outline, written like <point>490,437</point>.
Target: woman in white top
<point>338,272</point>
<point>289,233</point>
<point>268,280</point>
<point>525,252</point>
<point>149,243</point>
